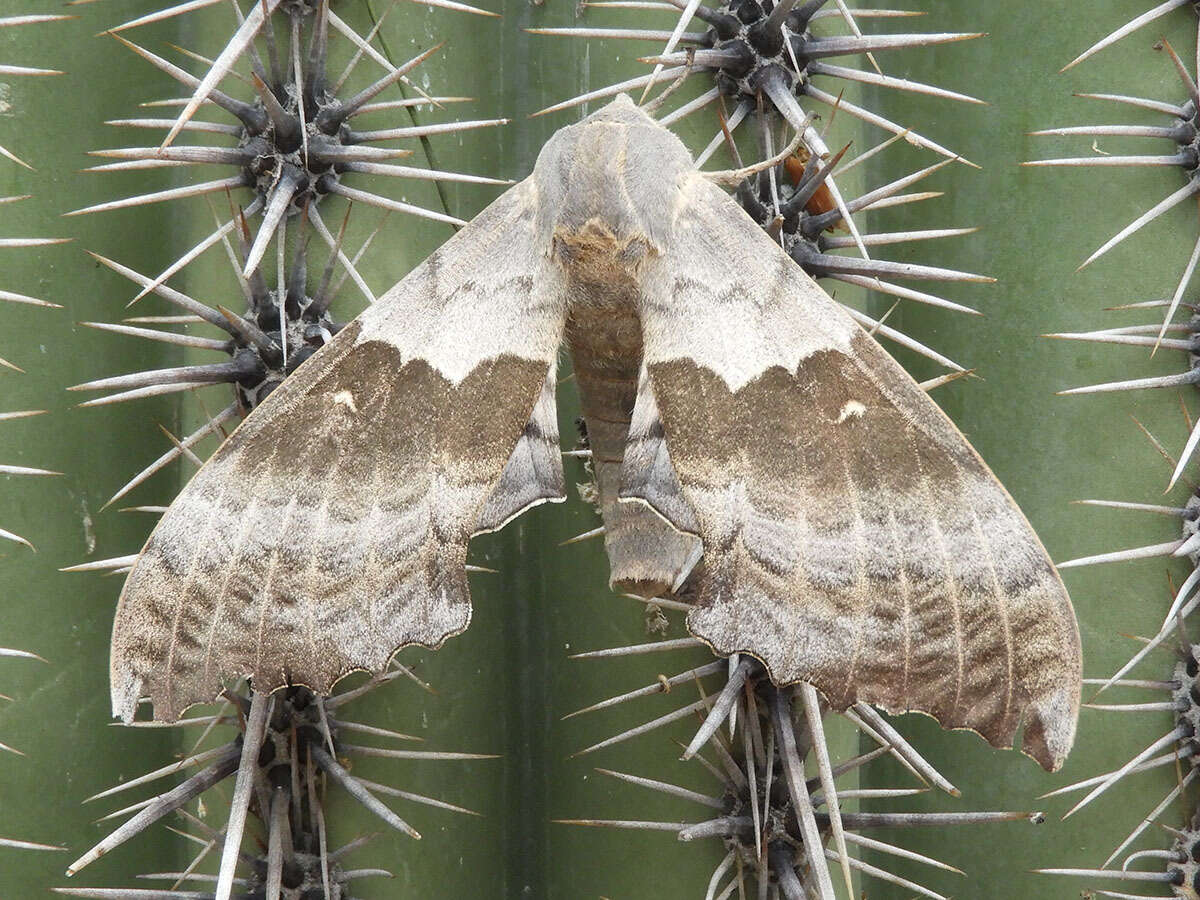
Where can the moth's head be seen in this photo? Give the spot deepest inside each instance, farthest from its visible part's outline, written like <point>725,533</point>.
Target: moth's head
<point>618,170</point>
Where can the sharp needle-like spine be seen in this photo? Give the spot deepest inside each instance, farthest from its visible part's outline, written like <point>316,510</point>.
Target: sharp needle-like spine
<point>794,777</point>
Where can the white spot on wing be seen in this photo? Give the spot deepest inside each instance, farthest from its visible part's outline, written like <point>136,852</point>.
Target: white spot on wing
<point>346,399</point>
<point>852,410</point>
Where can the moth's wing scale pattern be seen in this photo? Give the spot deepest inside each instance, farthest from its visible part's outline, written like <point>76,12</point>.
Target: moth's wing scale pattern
<point>852,537</point>
<point>331,528</point>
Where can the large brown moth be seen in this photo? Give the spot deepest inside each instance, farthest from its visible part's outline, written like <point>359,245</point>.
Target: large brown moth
<point>748,437</point>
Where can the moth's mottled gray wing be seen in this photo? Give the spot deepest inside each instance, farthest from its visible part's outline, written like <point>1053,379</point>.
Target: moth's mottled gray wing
<point>331,528</point>
<point>852,537</point>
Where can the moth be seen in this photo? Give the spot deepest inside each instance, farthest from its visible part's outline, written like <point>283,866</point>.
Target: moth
<point>748,437</point>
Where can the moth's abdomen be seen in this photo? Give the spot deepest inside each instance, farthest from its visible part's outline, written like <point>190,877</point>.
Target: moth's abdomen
<point>646,555</point>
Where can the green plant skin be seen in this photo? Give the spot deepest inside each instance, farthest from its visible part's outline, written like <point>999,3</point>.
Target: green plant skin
<point>503,686</point>
<point>60,713</point>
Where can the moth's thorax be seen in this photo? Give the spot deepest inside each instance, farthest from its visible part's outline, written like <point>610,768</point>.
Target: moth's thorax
<point>608,195</point>
<point>594,255</point>
<point>616,174</point>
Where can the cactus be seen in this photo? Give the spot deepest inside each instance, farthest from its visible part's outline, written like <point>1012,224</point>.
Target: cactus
<point>502,687</point>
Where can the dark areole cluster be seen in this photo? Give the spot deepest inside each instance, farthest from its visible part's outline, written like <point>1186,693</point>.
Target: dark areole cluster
<point>751,42</point>
<point>293,141</point>
<point>286,748</point>
<point>284,326</point>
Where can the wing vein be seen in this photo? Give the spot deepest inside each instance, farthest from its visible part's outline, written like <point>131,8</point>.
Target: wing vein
<point>905,598</point>
<point>230,571</point>
<point>998,598</point>
<point>268,583</point>
<point>860,545</point>
<point>173,640</point>
<point>947,567</point>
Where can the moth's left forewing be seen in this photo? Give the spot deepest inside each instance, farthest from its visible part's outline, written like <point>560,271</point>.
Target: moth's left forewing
<point>852,538</point>
<point>332,527</point>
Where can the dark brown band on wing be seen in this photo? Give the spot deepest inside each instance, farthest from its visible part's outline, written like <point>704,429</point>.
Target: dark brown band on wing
<point>327,537</point>
<point>846,547</point>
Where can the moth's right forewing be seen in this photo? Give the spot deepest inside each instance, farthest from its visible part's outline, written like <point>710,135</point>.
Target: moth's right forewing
<point>332,527</point>
<point>852,538</point>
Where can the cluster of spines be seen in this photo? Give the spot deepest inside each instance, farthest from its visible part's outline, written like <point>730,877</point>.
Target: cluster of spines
<point>291,144</point>
<point>763,58</point>
<point>1180,696</point>
<point>288,158</point>
<point>753,738</point>
<point>1174,868</point>
<point>285,750</point>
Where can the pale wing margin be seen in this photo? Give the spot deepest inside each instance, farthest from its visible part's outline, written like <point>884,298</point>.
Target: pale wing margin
<point>852,537</point>
<point>331,528</point>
